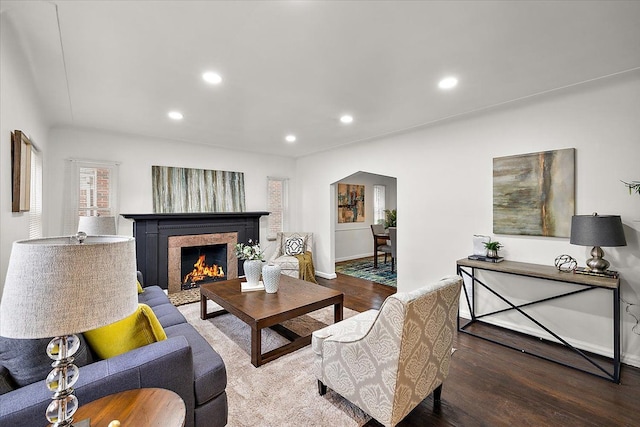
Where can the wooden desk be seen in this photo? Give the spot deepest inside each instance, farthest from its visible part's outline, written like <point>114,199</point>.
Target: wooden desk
<point>139,407</point>
<point>583,283</point>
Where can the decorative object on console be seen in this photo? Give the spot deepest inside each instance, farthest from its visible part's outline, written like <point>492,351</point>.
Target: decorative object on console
<point>597,230</point>
<point>350,203</point>
<point>492,249</point>
<point>95,276</point>
<point>566,263</point>
<point>478,244</point>
<point>485,258</point>
<point>97,225</point>
<point>634,186</point>
<point>183,190</point>
<point>534,194</point>
<point>271,277</point>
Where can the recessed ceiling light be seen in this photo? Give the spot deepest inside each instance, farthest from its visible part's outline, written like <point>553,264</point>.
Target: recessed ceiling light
<point>346,118</point>
<point>211,77</point>
<point>175,115</point>
<point>290,138</point>
<point>448,83</point>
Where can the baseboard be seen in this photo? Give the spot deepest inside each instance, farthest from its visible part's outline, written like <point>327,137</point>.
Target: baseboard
<point>352,257</point>
<point>628,359</point>
<point>326,275</point>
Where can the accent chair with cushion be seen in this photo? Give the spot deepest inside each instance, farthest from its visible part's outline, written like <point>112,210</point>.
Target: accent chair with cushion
<point>288,245</point>
<point>387,361</point>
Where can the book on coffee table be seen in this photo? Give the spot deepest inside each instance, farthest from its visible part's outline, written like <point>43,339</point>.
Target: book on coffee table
<point>245,287</point>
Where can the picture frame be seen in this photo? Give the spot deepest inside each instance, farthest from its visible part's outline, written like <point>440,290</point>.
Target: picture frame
<point>350,203</point>
<point>534,193</point>
<point>20,172</point>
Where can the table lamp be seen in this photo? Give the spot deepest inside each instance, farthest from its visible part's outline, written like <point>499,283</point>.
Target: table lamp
<point>97,225</point>
<point>597,230</point>
<point>61,286</point>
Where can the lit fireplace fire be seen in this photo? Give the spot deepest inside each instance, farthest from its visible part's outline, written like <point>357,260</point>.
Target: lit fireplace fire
<point>202,271</point>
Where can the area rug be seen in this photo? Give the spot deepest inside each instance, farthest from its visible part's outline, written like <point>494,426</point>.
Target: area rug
<point>363,269</point>
<point>283,392</point>
<point>184,297</point>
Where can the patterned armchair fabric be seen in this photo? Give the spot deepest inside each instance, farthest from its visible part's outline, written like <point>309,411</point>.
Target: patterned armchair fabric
<point>290,242</point>
<point>388,361</point>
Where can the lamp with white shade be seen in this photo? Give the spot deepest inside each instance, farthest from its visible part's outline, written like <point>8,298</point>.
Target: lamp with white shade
<point>61,286</point>
<point>97,225</point>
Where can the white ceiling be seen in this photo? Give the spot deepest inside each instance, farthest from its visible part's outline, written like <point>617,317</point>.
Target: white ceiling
<point>297,66</point>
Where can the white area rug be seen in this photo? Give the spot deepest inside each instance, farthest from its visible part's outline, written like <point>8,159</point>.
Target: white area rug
<point>283,392</point>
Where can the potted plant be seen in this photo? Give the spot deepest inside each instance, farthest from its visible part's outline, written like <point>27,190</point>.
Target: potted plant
<point>492,249</point>
<point>390,218</point>
<point>252,254</point>
<point>634,186</point>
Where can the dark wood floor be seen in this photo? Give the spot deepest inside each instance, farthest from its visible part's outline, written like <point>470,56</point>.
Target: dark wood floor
<point>490,385</point>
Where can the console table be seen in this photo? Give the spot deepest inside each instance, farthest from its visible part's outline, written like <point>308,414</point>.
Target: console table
<point>581,283</point>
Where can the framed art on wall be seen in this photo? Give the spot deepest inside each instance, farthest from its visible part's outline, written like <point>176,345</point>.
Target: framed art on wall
<point>534,194</point>
<point>350,203</point>
<point>184,190</point>
<point>20,172</point>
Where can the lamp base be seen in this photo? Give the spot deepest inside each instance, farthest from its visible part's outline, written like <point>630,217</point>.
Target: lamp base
<point>597,263</point>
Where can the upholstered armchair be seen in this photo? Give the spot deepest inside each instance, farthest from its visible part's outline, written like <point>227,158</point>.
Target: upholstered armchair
<point>387,361</point>
<point>288,245</point>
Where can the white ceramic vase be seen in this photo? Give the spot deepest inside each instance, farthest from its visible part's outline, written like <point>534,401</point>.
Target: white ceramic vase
<point>252,271</point>
<point>271,278</point>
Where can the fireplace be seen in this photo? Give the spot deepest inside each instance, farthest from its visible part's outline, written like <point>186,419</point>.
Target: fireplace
<point>203,264</point>
<point>161,237</point>
<point>184,256</point>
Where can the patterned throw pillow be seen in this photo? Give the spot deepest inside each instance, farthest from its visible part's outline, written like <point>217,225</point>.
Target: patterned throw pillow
<point>294,246</point>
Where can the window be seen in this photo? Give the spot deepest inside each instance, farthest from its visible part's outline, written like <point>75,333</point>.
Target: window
<point>35,213</point>
<point>94,198</point>
<point>277,205</point>
<point>379,204</point>
<point>91,190</point>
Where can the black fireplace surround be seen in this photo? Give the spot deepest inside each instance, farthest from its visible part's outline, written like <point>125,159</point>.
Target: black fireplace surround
<point>152,232</point>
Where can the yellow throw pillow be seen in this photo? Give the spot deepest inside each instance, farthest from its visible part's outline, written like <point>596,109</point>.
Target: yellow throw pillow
<point>140,289</point>
<point>137,330</point>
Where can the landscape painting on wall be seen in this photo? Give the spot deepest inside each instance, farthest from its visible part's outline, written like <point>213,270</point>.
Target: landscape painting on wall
<point>350,203</point>
<point>534,194</point>
<point>183,190</point>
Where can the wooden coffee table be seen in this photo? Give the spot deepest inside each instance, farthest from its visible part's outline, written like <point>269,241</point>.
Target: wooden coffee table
<point>260,310</point>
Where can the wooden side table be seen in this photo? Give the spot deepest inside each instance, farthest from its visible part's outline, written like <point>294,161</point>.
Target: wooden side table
<point>138,407</point>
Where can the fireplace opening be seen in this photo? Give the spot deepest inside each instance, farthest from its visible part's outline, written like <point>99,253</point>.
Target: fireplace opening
<point>203,264</point>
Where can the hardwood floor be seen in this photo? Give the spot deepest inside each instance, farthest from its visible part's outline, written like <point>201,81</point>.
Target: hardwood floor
<point>490,385</point>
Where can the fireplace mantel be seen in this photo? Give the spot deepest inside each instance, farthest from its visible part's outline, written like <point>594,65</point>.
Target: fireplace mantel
<point>152,232</point>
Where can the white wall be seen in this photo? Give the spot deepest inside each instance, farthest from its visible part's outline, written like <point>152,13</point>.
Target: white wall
<point>444,177</point>
<point>137,154</point>
<point>19,109</point>
<point>354,240</point>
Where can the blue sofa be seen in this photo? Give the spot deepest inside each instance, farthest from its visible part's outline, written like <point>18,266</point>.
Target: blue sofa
<point>184,363</point>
